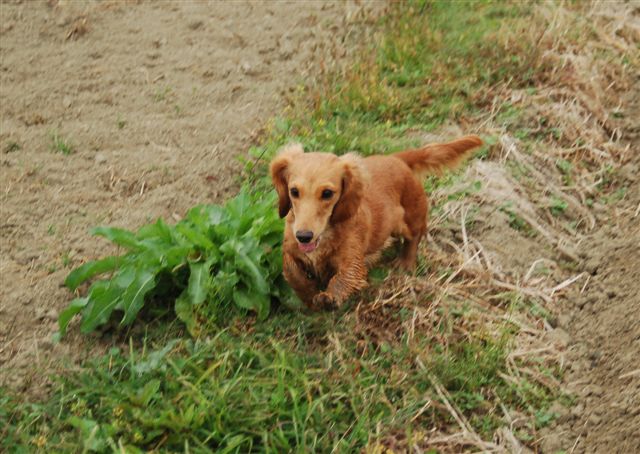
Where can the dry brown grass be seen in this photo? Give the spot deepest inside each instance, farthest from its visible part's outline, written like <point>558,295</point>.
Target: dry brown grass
<point>584,70</point>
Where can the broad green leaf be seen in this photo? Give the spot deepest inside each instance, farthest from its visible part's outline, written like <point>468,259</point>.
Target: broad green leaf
<point>91,269</point>
<point>259,303</point>
<point>121,237</point>
<point>174,256</point>
<point>247,264</point>
<point>240,212</point>
<point>224,283</point>
<point>243,300</point>
<point>257,278</point>
<point>215,214</point>
<point>184,311</point>
<point>158,231</point>
<point>144,396</point>
<point>194,236</point>
<point>133,296</point>
<point>125,276</point>
<point>199,282</point>
<point>103,299</point>
<point>67,314</point>
<point>197,216</point>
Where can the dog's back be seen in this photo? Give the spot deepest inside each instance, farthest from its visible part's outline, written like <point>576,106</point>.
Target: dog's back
<point>397,201</point>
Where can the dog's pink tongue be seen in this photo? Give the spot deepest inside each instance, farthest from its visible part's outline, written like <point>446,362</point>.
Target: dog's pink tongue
<point>307,247</point>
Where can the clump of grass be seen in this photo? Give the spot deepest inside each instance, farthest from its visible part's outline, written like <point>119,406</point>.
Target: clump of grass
<point>516,221</point>
<point>161,94</point>
<point>12,147</point>
<point>218,256</point>
<point>558,206</point>
<point>59,144</point>
<point>277,387</point>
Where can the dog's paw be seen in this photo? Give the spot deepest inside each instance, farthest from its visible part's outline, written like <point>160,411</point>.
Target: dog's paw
<point>325,301</point>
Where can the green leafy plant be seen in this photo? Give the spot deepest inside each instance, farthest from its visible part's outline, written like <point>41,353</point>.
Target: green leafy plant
<point>218,255</point>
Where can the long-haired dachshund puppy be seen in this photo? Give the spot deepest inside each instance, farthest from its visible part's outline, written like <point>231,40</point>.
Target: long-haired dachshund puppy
<point>342,211</point>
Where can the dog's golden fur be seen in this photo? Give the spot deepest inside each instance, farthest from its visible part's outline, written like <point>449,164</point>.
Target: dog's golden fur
<point>346,209</point>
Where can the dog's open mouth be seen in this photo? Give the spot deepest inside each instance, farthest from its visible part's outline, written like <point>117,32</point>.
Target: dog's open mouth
<point>308,247</point>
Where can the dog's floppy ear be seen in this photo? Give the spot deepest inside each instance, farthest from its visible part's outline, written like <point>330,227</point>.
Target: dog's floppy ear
<point>353,181</point>
<point>279,175</point>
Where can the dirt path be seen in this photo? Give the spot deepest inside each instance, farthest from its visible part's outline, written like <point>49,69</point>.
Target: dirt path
<point>155,101</point>
<point>605,325</point>
<point>603,322</point>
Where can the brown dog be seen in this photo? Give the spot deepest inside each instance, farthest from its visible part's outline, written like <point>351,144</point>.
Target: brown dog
<point>342,212</point>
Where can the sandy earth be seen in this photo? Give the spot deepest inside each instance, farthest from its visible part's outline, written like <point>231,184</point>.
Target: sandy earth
<point>603,324</point>
<point>157,101</point>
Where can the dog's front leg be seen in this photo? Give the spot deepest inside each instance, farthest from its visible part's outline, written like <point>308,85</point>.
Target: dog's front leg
<point>348,279</point>
<point>299,279</point>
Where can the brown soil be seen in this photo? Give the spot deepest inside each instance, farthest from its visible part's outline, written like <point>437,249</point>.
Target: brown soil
<point>603,323</point>
<point>596,329</point>
<point>157,100</point>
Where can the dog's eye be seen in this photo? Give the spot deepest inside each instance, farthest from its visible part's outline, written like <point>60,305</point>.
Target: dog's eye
<point>327,194</point>
<point>294,192</point>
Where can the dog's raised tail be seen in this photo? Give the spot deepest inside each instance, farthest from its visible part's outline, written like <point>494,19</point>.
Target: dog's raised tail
<point>436,157</point>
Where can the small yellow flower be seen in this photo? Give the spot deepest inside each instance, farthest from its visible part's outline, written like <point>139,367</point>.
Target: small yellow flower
<point>118,411</point>
<point>40,441</point>
<point>137,437</point>
<point>79,407</point>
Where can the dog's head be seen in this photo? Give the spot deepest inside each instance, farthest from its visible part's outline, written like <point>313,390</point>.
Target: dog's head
<point>320,189</point>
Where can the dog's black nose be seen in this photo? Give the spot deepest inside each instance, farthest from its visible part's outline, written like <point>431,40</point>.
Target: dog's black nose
<point>304,236</point>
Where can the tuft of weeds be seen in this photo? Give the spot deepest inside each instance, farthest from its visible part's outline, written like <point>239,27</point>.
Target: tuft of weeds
<point>516,222</point>
<point>59,144</point>
<point>162,93</point>
<point>219,257</point>
<point>12,147</point>
<point>558,206</point>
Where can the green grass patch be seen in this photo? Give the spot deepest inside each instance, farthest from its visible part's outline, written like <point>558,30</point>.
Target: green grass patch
<point>558,206</point>
<point>435,62</point>
<point>60,144</point>
<point>290,384</point>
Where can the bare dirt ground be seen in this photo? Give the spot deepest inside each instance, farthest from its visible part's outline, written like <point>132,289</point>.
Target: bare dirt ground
<point>156,100</point>
<point>602,321</point>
